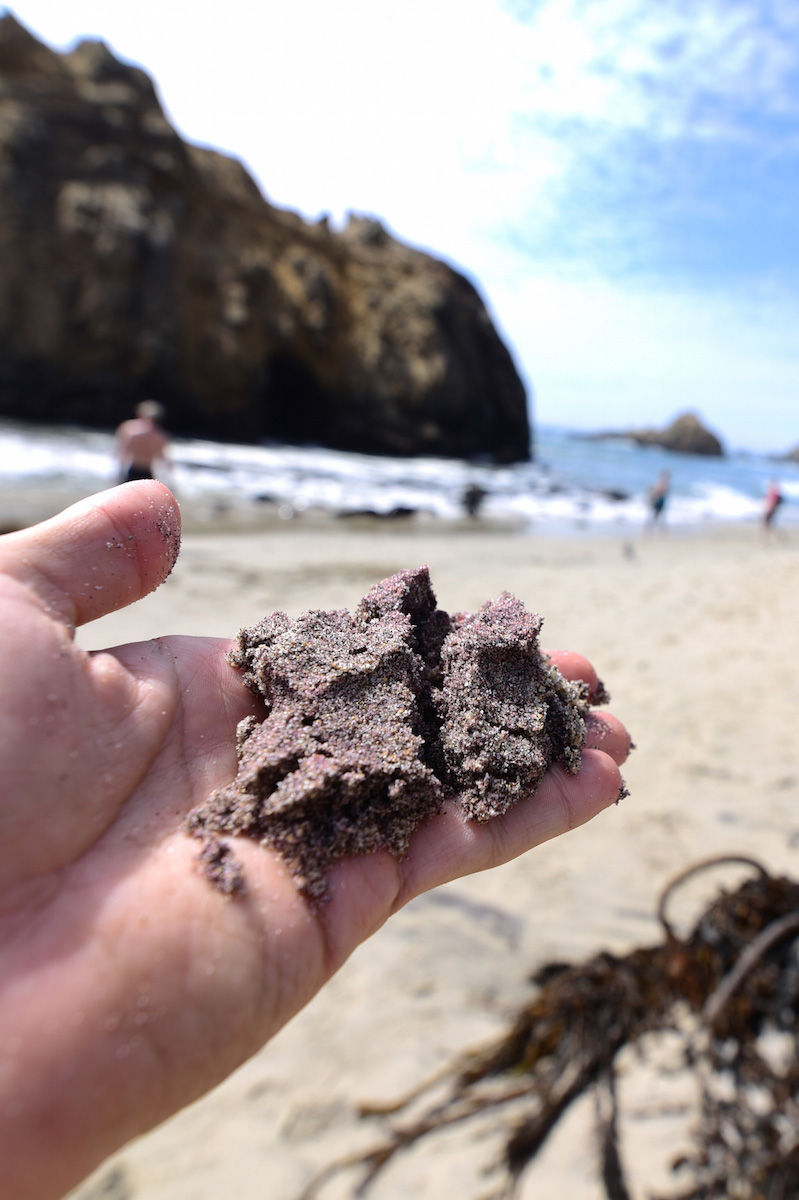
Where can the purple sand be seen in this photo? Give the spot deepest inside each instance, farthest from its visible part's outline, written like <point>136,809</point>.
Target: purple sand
<point>375,718</point>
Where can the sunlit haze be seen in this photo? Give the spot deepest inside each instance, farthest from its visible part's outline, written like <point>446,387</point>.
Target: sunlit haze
<point>618,177</point>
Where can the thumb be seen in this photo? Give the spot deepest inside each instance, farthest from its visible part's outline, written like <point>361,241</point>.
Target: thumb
<point>100,554</point>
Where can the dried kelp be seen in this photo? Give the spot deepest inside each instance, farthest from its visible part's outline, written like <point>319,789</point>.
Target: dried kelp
<point>737,977</point>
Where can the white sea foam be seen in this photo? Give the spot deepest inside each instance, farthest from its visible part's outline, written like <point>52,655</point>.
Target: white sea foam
<point>575,483</point>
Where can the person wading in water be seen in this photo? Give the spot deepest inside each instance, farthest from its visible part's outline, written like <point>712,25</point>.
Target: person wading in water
<point>141,442</point>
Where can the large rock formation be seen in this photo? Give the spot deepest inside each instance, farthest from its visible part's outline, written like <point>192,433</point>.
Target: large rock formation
<point>684,435</point>
<point>134,265</point>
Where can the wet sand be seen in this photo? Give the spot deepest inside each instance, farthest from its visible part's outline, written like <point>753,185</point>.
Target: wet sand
<point>373,719</point>
<point>697,639</point>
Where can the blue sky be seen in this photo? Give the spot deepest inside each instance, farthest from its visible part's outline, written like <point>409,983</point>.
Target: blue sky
<point>619,177</point>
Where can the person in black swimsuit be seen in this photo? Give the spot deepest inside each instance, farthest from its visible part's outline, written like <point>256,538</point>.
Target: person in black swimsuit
<point>142,443</point>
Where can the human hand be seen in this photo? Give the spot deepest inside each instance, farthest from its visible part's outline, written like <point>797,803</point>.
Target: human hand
<point>128,985</point>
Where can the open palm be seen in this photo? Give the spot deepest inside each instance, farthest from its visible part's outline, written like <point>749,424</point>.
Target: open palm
<point>128,985</point>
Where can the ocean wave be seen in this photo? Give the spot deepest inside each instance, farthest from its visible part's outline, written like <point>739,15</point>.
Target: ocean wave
<point>575,482</point>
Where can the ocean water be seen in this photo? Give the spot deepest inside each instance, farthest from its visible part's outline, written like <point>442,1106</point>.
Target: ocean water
<point>575,484</point>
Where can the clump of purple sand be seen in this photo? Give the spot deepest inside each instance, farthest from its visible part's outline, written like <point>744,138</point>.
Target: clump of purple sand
<point>375,718</point>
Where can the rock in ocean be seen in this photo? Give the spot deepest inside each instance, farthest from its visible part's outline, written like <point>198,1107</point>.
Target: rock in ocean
<point>686,434</point>
<point>133,264</point>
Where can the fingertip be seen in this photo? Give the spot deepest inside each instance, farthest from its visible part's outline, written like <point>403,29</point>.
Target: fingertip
<point>600,783</point>
<point>147,515</point>
<point>603,730</point>
<point>573,667</point>
<point>100,554</point>
<point>606,732</point>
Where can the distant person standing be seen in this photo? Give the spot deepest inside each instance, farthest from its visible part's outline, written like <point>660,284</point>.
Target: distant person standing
<point>658,495</point>
<point>141,443</point>
<point>771,503</point>
<point>472,500</point>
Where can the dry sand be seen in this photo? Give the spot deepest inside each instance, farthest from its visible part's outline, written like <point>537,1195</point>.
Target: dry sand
<point>696,636</point>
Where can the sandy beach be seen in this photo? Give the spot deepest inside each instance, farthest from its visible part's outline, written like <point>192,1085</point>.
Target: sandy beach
<point>695,636</point>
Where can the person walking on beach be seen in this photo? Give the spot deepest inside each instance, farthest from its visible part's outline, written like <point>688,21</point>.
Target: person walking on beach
<point>658,495</point>
<point>472,500</point>
<point>773,500</point>
<point>141,443</point>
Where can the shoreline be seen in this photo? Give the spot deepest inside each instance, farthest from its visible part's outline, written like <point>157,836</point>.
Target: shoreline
<point>568,491</point>
<point>21,508</point>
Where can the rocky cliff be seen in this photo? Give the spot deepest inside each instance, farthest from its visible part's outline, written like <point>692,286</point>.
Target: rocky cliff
<point>133,264</point>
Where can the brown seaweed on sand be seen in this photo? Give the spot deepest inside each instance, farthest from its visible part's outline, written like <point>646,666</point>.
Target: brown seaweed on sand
<point>373,719</point>
<point>726,989</point>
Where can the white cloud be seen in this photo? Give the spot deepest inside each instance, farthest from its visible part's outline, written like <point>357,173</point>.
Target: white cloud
<point>664,68</point>
<point>609,355</point>
<point>444,115</point>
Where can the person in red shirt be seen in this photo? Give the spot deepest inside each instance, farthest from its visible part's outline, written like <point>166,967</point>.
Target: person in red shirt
<point>772,503</point>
